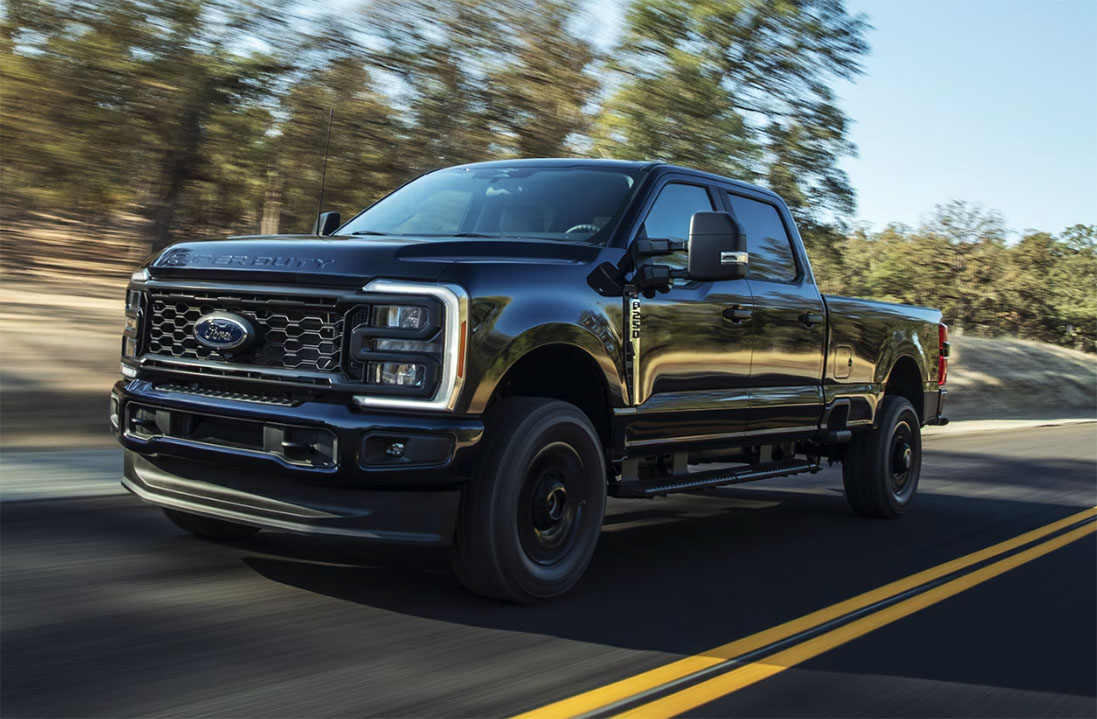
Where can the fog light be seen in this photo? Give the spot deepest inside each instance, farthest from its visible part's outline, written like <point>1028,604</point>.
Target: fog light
<point>396,449</point>
<point>114,421</point>
<point>407,317</point>
<point>396,374</point>
<point>128,372</point>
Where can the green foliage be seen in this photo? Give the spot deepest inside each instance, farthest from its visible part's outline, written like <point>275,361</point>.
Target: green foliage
<point>207,117</point>
<point>739,87</point>
<point>1042,287</point>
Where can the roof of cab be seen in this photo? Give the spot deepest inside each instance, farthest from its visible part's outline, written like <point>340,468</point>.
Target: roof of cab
<point>610,163</point>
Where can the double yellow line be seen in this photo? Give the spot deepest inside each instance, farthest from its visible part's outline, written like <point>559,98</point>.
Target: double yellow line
<point>744,673</point>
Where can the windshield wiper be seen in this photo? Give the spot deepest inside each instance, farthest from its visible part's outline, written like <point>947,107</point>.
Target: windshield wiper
<point>477,234</point>
<point>370,232</point>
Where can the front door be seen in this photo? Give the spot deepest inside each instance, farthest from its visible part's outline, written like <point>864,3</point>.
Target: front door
<point>693,367</point>
<point>789,321</point>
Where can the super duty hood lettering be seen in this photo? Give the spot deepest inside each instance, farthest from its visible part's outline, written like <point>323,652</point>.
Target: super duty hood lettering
<point>188,258</point>
<point>304,259</point>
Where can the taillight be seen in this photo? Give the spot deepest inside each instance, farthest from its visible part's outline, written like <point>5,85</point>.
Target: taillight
<point>942,353</point>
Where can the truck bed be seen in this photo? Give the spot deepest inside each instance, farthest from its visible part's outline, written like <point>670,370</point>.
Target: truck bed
<point>865,338</point>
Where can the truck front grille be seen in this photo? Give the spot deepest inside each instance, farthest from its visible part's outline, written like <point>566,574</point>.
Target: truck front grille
<point>296,333</point>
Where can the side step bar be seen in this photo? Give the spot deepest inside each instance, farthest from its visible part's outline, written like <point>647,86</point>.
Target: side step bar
<point>714,478</point>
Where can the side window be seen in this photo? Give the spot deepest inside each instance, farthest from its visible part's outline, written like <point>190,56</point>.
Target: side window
<point>770,249</point>
<point>674,208</point>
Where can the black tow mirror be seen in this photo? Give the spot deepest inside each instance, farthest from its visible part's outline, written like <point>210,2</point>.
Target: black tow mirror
<point>327,223</point>
<point>717,248</point>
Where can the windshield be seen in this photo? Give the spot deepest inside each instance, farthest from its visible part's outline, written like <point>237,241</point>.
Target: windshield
<point>568,203</point>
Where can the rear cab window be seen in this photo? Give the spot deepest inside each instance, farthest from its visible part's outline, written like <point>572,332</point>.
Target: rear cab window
<point>771,253</point>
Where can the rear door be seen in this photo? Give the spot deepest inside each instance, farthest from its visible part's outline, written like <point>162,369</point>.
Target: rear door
<point>789,319</point>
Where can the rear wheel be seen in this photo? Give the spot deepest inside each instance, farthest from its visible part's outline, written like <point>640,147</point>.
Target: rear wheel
<point>531,516</point>
<point>881,468</point>
<point>209,527</point>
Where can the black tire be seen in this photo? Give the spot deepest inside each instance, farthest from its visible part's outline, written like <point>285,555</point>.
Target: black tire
<point>532,513</point>
<point>881,467</point>
<point>209,527</point>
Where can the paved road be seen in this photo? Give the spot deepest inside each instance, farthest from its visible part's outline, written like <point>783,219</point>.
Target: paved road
<point>107,610</point>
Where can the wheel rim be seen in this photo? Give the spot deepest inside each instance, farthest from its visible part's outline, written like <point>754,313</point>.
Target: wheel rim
<point>902,461</point>
<point>551,503</point>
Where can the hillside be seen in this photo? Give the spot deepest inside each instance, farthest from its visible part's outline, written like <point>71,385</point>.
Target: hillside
<point>1018,379</point>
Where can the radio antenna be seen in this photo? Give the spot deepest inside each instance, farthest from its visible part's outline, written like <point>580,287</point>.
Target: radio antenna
<point>324,171</point>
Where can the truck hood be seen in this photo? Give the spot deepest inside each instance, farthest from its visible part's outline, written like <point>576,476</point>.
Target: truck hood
<point>308,259</point>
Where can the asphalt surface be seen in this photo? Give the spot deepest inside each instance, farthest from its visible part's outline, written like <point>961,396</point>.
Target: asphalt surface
<point>108,610</point>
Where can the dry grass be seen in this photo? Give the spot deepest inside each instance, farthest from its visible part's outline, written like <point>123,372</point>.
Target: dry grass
<point>59,347</point>
<point>1018,379</point>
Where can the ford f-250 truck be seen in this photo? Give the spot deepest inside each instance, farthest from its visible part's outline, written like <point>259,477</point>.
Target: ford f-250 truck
<point>481,357</point>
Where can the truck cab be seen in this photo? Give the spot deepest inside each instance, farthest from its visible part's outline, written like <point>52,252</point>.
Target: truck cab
<point>482,357</point>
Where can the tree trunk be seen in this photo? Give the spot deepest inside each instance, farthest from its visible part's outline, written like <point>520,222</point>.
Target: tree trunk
<point>271,222</point>
<point>178,166</point>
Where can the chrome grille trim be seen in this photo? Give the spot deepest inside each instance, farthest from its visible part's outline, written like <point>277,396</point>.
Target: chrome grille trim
<point>200,391</point>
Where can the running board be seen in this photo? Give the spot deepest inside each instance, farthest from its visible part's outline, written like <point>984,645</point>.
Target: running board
<point>714,478</point>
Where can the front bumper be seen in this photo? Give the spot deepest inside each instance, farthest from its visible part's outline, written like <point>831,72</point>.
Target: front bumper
<point>229,468</point>
<point>418,517</point>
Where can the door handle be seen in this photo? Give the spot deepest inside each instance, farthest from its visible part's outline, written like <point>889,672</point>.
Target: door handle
<point>737,314</point>
<point>810,318</point>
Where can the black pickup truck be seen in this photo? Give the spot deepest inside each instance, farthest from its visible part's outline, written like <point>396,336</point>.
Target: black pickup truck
<point>481,357</point>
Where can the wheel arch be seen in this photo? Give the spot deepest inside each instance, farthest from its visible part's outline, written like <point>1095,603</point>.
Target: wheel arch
<point>560,362</point>
<point>905,379</point>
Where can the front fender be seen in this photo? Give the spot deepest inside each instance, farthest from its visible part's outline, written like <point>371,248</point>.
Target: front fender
<point>603,350</point>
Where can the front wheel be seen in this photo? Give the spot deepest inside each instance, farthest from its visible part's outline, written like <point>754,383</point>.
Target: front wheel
<point>881,468</point>
<point>531,515</point>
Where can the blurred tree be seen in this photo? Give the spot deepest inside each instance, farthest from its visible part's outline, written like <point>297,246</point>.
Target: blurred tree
<point>198,65</point>
<point>1075,282</point>
<point>486,78</point>
<point>968,246</point>
<point>439,52</point>
<point>68,101</point>
<point>208,117</point>
<point>138,102</point>
<point>365,157</point>
<point>680,112</point>
<point>540,92</point>
<point>1027,288</point>
<point>740,88</point>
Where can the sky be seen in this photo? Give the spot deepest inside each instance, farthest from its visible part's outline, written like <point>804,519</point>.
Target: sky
<point>991,101</point>
<point>988,101</point>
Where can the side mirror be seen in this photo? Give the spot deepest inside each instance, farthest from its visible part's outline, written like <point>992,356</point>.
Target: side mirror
<point>327,223</point>
<point>717,247</point>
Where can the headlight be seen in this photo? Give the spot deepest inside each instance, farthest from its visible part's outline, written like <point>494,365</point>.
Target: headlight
<point>405,317</point>
<point>408,346</point>
<point>131,330</point>
<point>396,374</point>
<point>397,349</point>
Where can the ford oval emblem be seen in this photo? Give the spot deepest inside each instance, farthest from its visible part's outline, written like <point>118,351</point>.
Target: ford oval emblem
<point>223,331</point>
